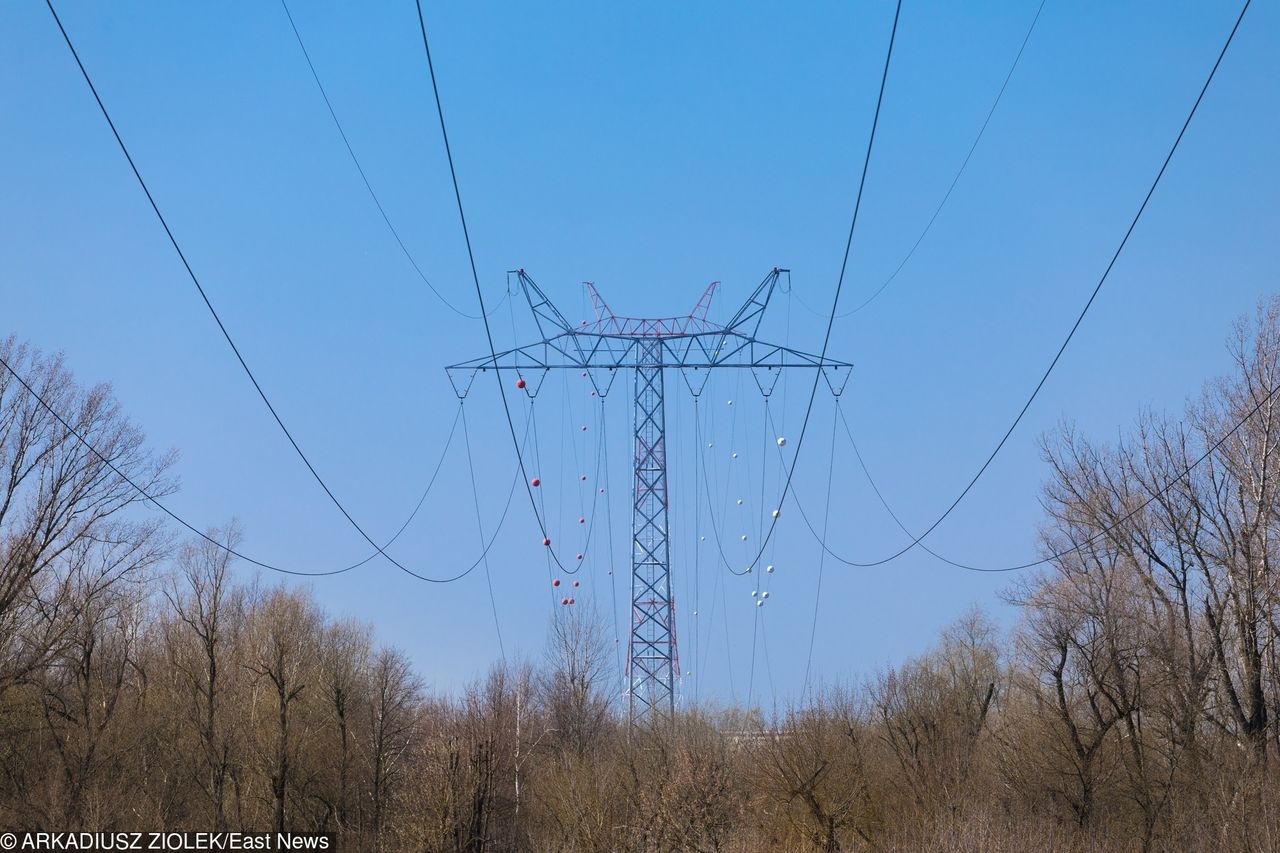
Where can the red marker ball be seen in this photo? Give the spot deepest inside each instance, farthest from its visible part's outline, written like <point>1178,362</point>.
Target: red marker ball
<point>584,476</point>
<point>519,383</point>
<point>564,601</point>
<point>575,583</point>
<point>546,541</point>
<point>579,556</point>
<point>581,520</point>
<point>556,582</point>
<point>571,601</point>
<point>535,482</point>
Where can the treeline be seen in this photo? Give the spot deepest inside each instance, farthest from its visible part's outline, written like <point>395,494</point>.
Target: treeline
<point>146,683</point>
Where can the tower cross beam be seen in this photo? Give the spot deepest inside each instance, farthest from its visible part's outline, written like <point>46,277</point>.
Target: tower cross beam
<point>647,348</point>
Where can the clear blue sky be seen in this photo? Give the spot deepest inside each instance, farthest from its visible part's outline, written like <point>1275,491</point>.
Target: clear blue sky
<point>650,148</point>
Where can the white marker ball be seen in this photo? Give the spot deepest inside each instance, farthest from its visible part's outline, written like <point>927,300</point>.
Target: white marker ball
<point>782,442</point>
<point>769,568</point>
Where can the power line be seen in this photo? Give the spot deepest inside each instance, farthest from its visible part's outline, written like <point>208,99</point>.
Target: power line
<point>475,497</point>
<point>1079,319</point>
<point>475,277</point>
<point>1057,555</point>
<point>835,302</point>
<point>954,180</point>
<point>148,497</point>
<point>315,75</point>
<point>822,562</point>
<point>217,318</point>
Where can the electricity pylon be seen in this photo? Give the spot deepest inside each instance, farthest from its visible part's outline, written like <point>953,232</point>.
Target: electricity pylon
<point>649,348</point>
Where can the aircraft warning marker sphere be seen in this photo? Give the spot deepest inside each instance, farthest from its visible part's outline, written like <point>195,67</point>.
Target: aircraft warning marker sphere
<point>535,482</point>
<point>579,556</point>
<point>782,442</point>
<point>729,402</point>
<point>760,603</point>
<point>519,383</point>
<point>581,520</point>
<point>764,594</point>
<point>584,427</point>
<point>564,601</point>
<point>777,512</point>
<point>556,582</point>
<point>739,501</point>
<point>769,568</point>
<point>733,456</point>
<point>571,600</point>
<point>744,537</point>
<point>583,477</point>
<point>546,541</point>
<point>754,593</point>
<point>577,584</point>
<point>711,444</point>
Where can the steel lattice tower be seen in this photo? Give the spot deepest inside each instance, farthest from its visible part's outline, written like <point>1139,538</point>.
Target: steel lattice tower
<point>649,348</point>
<point>654,662</point>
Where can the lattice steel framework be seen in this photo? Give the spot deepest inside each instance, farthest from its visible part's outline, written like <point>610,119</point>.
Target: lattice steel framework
<point>652,651</point>
<point>648,348</point>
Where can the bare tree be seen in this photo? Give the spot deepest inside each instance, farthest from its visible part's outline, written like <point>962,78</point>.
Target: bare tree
<point>282,645</point>
<point>61,505</point>
<point>202,640</point>
<point>577,660</point>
